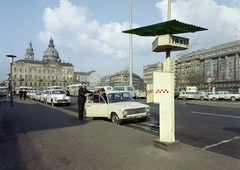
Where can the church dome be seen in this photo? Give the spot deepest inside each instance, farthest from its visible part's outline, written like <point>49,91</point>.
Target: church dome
<point>51,53</point>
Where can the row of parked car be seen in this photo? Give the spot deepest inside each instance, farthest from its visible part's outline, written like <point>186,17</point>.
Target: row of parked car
<point>202,95</point>
<point>52,96</point>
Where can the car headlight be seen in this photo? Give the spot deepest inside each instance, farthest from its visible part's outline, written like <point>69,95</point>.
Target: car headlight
<point>55,98</point>
<point>147,109</point>
<point>124,113</point>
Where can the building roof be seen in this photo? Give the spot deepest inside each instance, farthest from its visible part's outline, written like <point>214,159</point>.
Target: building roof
<point>168,27</point>
<point>44,62</point>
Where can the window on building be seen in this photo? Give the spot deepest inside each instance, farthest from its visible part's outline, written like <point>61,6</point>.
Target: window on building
<point>20,83</point>
<point>52,84</point>
<point>39,77</point>
<point>60,84</point>
<point>30,83</point>
<point>39,70</point>
<point>25,83</point>
<point>35,70</point>
<point>39,84</point>
<point>43,77</point>
<point>15,76</point>
<point>56,71</point>
<point>43,84</point>
<point>20,76</point>
<point>30,76</point>
<point>52,71</point>
<point>43,70</point>
<point>48,84</point>
<point>35,84</point>
<point>25,70</point>
<point>56,84</point>
<point>20,70</point>
<point>25,77</point>
<point>48,71</point>
<point>15,69</point>
<point>30,70</point>
<point>35,77</point>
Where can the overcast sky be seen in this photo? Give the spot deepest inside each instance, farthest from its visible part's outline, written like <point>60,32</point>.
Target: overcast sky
<point>88,33</point>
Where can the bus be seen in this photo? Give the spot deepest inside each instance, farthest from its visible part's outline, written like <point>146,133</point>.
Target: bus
<point>129,89</point>
<point>107,88</point>
<point>73,89</point>
<point>54,87</point>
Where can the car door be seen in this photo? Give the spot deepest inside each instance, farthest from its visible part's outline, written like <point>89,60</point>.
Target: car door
<point>96,106</point>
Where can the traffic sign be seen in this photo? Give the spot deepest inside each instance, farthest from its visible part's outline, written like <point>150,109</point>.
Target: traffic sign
<point>209,79</point>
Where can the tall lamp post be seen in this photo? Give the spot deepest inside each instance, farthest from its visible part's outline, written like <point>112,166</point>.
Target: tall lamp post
<point>11,57</point>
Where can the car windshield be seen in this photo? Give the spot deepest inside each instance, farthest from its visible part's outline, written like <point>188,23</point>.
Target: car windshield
<point>58,92</point>
<point>46,92</point>
<point>119,97</point>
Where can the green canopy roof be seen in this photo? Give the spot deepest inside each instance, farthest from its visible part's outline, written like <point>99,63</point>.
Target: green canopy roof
<point>168,27</point>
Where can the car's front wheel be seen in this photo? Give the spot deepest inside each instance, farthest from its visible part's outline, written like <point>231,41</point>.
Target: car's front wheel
<point>142,119</point>
<point>214,99</point>
<point>115,119</point>
<point>233,98</point>
<point>201,98</point>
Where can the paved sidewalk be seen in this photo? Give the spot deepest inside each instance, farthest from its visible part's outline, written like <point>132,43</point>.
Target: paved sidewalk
<point>30,141</point>
<point>216,104</point>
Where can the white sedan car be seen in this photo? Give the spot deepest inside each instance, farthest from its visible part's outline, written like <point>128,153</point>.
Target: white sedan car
<point>57,96</point>
<point>117,106</point>
<point>43,96</point>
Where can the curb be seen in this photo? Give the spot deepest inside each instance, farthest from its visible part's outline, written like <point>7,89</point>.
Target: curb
<point>218,107</point>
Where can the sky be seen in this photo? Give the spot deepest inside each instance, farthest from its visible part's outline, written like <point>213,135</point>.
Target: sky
<point>88,33</point>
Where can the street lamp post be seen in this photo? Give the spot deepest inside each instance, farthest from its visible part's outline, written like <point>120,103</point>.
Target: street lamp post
<point>11,57</point>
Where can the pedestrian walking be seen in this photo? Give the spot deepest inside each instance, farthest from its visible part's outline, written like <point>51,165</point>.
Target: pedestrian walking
<point>82,93</point>
<point>25,94</point>
<point>21,94</point>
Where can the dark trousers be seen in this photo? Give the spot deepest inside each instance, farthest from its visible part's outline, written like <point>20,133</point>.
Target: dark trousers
<point>80,110</point>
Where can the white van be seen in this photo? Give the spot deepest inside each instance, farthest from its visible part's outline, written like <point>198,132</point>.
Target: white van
<point>129,89</point>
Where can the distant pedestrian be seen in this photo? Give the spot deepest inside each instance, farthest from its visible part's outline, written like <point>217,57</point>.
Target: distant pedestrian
<point>25,94</point>
<point>82,93</point>
<point>21,94</point>
<point>14,92</point>
<point>67,92</point>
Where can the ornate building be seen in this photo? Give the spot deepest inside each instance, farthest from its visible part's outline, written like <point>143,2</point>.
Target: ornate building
<point>220,63</point>
<point>48,72</point>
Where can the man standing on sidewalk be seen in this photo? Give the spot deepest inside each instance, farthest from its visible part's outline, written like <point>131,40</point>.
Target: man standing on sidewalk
<point>82,93</point>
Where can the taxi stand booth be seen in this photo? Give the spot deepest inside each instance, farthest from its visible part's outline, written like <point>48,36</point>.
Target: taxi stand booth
<point>162,89</point>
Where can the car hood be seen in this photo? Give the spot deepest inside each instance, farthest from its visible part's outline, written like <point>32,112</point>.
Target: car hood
<point>129,105</point>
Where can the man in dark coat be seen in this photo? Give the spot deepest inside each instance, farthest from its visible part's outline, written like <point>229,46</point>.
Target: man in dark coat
<point>20,94</point>
<point>25,94</point>
<point>82,93</point>
<point>67,92</point>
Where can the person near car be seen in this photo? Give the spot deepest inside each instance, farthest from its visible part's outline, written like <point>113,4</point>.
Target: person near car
<point>103,94</point>
<point>21,94</point>
<point>82,94</point>
<point>67,92</point>
<point>25,94</point>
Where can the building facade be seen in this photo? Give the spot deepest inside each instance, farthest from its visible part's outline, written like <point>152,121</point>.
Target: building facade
<point>122,78</point>
<point>92,78</point>
<point>38,74</point>
<point>105,81</point>
<point>219,63</point>
<point>148,73</point>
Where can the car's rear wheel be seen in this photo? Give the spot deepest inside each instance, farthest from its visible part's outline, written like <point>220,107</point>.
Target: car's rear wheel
<point>184,98</point>
<point>115,119</point>
<point>233,98</point>
<point>201,98</point>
